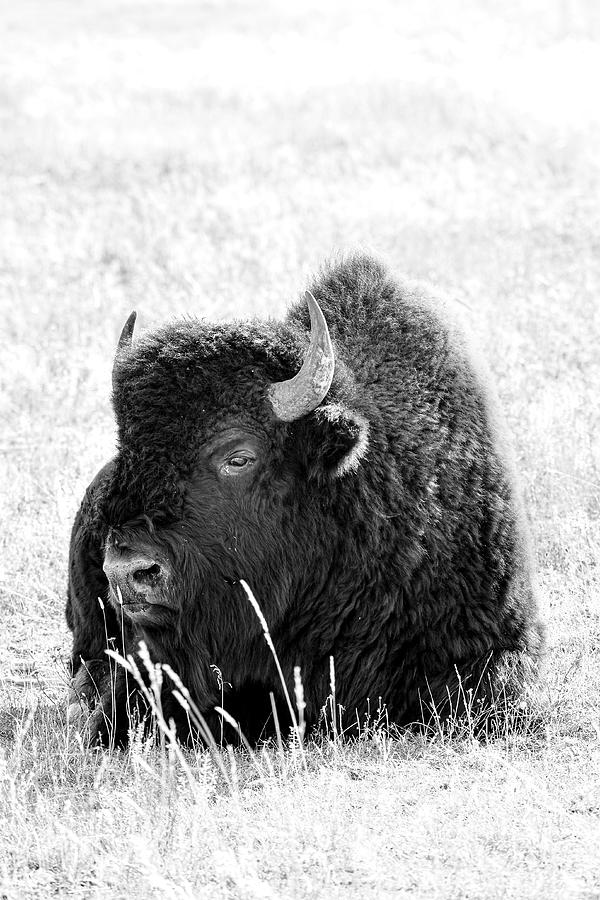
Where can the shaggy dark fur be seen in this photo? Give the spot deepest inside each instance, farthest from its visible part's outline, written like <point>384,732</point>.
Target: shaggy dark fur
<point>382,529</point>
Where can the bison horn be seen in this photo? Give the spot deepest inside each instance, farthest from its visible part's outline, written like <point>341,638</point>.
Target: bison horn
<point>125,341</point>
<point>301,394</point>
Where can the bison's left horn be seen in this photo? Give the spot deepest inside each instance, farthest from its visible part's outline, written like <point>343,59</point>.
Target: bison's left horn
<point>301,394</point>
<point>125,341</point>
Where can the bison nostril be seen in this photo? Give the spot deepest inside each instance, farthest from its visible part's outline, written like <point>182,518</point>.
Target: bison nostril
<point>147,576</point>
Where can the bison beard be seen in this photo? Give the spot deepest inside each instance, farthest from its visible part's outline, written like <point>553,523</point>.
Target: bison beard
<point>370,509</point>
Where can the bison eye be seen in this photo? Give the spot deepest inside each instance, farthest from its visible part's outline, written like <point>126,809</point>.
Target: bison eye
<point>238,461</point>
<point>234,464</point>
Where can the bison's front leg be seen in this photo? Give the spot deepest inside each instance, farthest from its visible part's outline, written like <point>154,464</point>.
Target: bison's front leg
<point>85,689</point>
<point>103,703</point>
<point>92,704</point>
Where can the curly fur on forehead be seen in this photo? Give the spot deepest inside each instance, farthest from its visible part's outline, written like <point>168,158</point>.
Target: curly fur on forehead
<point>192,363</point>
<point>202,369</point>
<point>179,386</point>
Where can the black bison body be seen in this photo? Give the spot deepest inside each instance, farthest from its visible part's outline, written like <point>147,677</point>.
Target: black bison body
<point>366,499</point>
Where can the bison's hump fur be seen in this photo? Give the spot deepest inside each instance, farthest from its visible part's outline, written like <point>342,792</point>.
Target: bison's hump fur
<point>383,529</point>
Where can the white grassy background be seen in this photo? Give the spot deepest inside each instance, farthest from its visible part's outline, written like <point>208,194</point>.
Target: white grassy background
<point>204,158</point>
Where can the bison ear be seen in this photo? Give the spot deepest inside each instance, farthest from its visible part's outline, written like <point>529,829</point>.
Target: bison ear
<point>339,440</point>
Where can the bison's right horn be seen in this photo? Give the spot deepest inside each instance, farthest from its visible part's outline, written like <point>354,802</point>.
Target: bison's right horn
<point>301,394</point>
<point>125,341</point>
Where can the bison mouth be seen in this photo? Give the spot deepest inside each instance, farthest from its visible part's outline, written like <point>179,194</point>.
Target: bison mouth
<point>140,607</point>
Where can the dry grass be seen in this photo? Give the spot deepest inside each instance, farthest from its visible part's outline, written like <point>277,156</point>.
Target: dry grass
<point>204,158</point>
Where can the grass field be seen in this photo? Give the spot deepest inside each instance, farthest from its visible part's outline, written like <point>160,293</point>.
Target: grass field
<point>204,158</point>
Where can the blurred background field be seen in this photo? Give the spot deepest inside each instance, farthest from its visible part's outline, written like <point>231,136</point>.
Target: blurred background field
<point>202,158</point>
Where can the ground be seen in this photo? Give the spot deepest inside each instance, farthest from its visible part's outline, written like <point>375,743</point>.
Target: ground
<point>198,158</point>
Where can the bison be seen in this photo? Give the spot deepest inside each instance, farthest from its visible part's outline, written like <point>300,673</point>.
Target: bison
<point>345,462</point>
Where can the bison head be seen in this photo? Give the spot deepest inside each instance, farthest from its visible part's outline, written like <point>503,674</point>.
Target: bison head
<point>227,468</point>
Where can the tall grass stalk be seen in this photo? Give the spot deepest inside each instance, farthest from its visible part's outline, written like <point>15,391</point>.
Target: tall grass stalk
<point>221,683</point>
<point>332,700</point>
<point>277,729</point>
<point>297,731</point>
<point>300,702</point>
<point>124,650</point>
<point>112,675</point>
